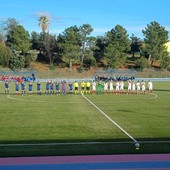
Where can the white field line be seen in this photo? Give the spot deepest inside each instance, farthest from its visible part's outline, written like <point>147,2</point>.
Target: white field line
<point>64,143</point>
<point>21,99</point>
<point>77,143</point>
<point>110,119</point>
<point>37,101</point>
<point>81,143</point>
<point>155,96</point>
<point>122,101</point>
<point>12,98</point>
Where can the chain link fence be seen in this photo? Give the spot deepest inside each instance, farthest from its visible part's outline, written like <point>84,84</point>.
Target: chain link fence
<point>67,73</point>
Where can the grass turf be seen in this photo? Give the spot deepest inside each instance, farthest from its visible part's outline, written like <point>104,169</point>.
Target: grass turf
<point>65,121</point>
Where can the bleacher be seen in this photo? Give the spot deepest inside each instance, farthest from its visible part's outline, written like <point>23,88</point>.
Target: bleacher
<point>17,76</point>
<point>112,74</point>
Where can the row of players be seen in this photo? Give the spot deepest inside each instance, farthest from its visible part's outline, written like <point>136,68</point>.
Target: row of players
<point>132,87</point>
<point>84,87</point>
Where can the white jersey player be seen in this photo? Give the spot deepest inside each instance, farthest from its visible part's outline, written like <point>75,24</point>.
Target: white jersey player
<point>129,86</point>
<point>143,86</point>
<point>117,87</point>
<point>150,87</point>
<point>105,87</point>
<point>121,86</point>
<point>133,86</point>
<point>111,86</point>
<point>138,87</point>
<point>93,87</point>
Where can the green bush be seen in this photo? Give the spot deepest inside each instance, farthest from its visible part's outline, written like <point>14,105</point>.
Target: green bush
<point>52,67</point>
<point>168,68</point>
<point>5,54</point>
<point>17,61</point>
<point>90,61</point>
<point>142,63</point>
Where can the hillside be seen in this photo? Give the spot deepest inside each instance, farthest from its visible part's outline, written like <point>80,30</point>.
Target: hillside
<point>43,71</point>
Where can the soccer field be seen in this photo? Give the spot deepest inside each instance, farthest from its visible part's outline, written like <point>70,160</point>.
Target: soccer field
<point>90,124</point>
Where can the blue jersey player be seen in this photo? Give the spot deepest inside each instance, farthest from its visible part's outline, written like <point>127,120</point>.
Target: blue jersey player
<point>51,87</point>
<point>70,85</point>
<point>16,88</point>
<point>38,88</point>
<point>57,88</point>
<point>30,88</point>
<point>23,88</point>
<point>47,87</point>
<point>6,87</point>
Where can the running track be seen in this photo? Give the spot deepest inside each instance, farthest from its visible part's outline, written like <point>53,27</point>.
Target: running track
<point>133,162</point>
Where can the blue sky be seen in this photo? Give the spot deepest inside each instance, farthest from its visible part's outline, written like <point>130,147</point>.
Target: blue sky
<point>102,15</point>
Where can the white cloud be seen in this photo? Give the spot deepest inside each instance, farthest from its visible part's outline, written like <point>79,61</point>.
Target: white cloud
<point>56,31</point>
<point>130,30</point>
<point>100,30</point>
<point>134,28</point>
<point>167,28</point>
<point>41,13</point>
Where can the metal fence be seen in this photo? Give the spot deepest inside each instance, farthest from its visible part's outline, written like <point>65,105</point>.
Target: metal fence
<point>66,73</point>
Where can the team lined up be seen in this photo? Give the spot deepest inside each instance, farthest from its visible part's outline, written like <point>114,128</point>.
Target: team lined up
<point>132,87</point>
<point>107,87</point>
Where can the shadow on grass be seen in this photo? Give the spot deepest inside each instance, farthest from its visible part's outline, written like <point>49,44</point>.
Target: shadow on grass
<point>83,147</point>
<point>127,111</point>
<point>162,90</point>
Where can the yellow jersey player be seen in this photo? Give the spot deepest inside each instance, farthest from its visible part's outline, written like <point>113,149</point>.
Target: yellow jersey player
<point>83,84</point>
<point>88,84</point>
<point>76,87</point>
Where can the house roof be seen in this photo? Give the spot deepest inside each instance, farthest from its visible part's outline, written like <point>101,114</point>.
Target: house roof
<point>168,45</point>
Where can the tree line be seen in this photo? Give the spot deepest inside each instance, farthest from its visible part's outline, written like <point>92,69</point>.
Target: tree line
<point>76,45</point>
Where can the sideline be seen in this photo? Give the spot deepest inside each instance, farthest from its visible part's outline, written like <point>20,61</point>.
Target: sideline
<point>78,143</point>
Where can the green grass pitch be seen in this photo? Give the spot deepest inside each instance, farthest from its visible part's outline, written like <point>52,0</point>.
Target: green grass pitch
<point>70,125</point>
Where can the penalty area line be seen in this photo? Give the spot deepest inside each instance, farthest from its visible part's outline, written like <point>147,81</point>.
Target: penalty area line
<point>118,126</point>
